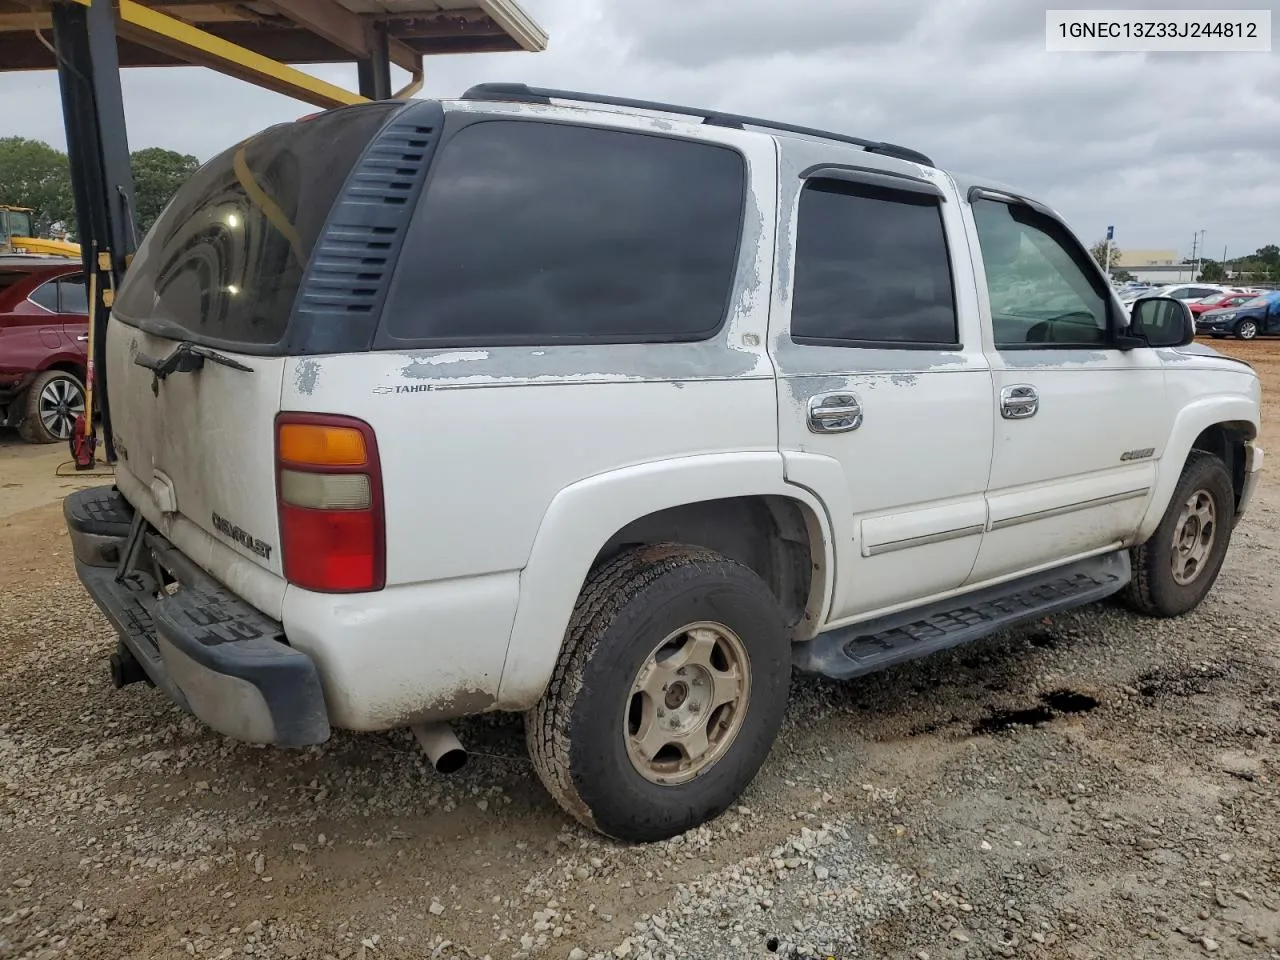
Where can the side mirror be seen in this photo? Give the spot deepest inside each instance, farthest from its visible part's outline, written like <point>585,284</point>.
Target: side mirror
<point>1162,322</point>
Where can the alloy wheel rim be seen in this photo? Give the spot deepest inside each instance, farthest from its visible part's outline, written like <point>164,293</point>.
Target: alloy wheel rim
<point>61,401</point>
<point>687,703</point>
<point>1193,537</point>
<point>1248,330</point>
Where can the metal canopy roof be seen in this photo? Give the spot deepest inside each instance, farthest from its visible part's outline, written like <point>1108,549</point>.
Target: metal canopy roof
<point>291,31</point>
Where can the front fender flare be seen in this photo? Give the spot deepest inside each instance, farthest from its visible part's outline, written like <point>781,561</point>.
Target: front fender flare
<point>585,515</point>
<point>1192,420</point>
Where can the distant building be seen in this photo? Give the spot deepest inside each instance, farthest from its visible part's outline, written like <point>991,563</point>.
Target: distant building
<point>1155,266</point>
<point>1129,259</point>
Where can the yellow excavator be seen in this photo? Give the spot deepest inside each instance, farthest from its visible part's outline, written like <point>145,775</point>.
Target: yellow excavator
<point>16,236</point>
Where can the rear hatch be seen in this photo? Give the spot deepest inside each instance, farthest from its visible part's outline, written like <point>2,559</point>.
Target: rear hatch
<point>199,339</point>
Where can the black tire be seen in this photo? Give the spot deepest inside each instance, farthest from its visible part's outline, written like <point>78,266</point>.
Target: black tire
<point>576,734</point>
<point>40,424</point>
<point>1246,329</point>
<point>1154,590</point>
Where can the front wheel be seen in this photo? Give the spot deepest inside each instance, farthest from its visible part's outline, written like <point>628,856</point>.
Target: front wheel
<point>669,691</point>
<point>1246,329</point>
<point>1175,569</point>
<point>54,400</point>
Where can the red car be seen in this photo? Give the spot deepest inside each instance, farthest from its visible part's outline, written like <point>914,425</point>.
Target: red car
<point>44,326</point>
<point>1220,300</point>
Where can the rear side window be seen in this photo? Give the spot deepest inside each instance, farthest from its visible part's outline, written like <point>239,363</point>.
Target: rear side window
<point>539,233</point>
<point>871,268</point>
<point>224,261</point>
<point>72,295</point>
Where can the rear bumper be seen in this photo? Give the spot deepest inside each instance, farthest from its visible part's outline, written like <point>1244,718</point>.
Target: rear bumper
<point>209,651</point>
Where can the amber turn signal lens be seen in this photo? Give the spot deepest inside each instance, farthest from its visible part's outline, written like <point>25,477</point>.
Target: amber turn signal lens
<point>321,445</point>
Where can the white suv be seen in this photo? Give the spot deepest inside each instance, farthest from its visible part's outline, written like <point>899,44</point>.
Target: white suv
<point>613,413</point>
<point>1186,292</point>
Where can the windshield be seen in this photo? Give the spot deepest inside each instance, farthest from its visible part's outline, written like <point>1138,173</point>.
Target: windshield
<point>14,223</point>
<point>1257,301</point>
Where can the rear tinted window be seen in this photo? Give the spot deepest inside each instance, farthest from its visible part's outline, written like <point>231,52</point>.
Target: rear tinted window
<point>871,267</point>
<point>224,261</point>
<point>539,233</point>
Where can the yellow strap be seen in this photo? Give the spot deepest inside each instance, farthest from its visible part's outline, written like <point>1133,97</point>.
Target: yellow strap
<point>269,208</point>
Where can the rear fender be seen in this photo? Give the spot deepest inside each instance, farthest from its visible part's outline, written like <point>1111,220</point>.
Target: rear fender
<point>584,516</point>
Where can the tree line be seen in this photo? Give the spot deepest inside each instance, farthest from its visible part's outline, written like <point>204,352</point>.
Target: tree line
<point>1261,266</point>
<point>34,174</point>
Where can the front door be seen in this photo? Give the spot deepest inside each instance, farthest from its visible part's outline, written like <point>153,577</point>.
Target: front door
<point>1079,424</point>
<point>884,393</point>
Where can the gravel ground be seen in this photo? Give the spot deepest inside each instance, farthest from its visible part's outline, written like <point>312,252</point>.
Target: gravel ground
<point>1092,785</point>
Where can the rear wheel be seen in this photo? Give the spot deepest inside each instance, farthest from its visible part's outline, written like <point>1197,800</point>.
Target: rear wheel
<point>53,401</point>
<point>1175,569</point>
<point>670,689</point>
<point>1246,329</point>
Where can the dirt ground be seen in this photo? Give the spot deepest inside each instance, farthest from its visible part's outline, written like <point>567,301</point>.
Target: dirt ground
<point>1093,785</point>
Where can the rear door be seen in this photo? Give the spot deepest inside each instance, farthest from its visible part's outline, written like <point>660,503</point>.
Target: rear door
<point>73,310</point>
<point>221,269</point>
<point>884,392</point>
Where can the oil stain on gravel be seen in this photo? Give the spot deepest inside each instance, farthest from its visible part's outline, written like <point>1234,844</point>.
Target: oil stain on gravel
<point>1056,703</point>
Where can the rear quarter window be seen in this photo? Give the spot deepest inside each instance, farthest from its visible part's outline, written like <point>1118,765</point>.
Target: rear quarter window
<point>539,233</point>
<point>46,295</point>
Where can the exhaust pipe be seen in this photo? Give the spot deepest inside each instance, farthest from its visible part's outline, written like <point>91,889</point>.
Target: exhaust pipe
<point>442,748</point>
<point>125,669</point>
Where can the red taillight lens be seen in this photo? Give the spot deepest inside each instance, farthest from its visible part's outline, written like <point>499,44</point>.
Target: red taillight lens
<point>329,550</point>
<point>329,491</point>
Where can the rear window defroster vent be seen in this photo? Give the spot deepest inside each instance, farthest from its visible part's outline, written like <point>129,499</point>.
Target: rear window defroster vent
<point>351,265</point>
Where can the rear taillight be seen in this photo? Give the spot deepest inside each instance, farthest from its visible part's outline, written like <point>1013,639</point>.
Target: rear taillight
<point>329,491</point>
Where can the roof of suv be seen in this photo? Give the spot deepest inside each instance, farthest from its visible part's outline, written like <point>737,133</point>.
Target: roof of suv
<point>522,93</point>
<point>519,94</point>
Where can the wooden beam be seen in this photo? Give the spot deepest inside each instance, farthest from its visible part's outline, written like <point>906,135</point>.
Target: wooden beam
<point>192,45</point>
<point>442,25</point>
<point>441,45</point>
<point>340,26</point>
<point>11,19</point>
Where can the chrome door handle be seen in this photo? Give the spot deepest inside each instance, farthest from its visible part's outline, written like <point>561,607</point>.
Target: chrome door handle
<point>83,337</point>
<point>1019,401</point>
<point>835,413</point>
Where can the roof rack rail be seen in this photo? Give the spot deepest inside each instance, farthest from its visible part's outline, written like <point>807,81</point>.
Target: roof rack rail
<point>523,93</point>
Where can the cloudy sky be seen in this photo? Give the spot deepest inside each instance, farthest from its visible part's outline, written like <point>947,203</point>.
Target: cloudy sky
<point>1161,145</point>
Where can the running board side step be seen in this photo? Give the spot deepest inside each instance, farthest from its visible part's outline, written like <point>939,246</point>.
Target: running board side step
<point>876,644</point>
